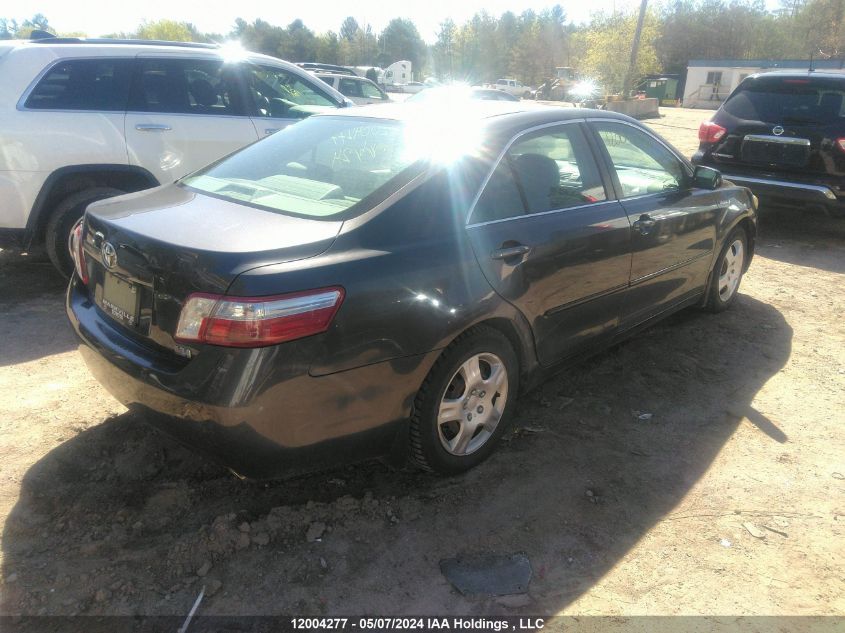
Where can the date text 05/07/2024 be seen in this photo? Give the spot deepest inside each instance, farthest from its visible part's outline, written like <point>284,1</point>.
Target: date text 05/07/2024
<point>418,624</point>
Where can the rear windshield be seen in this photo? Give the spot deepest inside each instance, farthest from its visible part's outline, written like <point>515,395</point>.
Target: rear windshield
<point>320,167</point>
<point>338,166</point>
<point>787,100</point>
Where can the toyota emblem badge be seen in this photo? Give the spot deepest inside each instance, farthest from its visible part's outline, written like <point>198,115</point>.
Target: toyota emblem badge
<point>109,255</point>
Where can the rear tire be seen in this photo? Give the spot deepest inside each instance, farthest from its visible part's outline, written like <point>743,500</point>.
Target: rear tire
<point>61,221</point>
<point>727,272</point>
<point>465,404</point>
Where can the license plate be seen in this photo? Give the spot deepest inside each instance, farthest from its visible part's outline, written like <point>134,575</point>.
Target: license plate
<point>776,150</point>
<point>120,299</point>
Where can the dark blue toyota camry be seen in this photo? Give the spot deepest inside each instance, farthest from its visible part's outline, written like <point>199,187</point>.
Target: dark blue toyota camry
<point>388,280</point>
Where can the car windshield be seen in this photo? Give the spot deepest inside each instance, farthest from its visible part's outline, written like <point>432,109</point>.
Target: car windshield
<point>325,167</point>
<point>788,100</point>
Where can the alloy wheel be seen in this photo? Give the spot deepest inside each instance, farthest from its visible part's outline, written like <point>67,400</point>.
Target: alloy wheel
<point>473,404</point>
<point>731,270</point>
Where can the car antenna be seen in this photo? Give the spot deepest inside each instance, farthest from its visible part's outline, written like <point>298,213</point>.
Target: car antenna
<point>811,63</point>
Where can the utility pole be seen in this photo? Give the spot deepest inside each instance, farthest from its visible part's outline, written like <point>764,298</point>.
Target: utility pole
<point>635,49</point>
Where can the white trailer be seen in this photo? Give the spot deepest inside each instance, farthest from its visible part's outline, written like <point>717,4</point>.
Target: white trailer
<point>397,74</point>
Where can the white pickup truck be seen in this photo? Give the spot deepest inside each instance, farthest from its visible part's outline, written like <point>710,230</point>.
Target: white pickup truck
<point>512,86</point>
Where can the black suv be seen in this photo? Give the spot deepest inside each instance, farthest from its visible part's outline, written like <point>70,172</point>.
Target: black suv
<point>782,135</point>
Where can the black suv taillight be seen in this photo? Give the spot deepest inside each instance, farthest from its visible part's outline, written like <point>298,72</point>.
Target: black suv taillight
<point>709,132</point>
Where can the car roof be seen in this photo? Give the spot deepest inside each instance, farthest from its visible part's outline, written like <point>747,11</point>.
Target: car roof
<point>799,74</point>
<point>342,76</point>
<point>506,117</point>
<point>48,50</point>
<point>479,110</point>
<point>94,47</point>
<point>326,68</point>
<point>459,90</point>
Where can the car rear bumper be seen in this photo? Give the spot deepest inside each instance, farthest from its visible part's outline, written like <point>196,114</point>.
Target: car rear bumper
<point>244,407</point>
<point>766,187</point>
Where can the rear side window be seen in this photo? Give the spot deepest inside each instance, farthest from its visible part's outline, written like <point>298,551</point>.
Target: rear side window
<point>371,91</point>
<point>501,197</point>
<point>556,169</point>
<point>350,88</point>
<point>788,100</point>
<point>186,86</point>
<point>83,84</point>
<point>359,88</point>
<point>549,170</point>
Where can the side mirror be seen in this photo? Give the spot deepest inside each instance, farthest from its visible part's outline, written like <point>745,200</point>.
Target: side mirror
<point>706,178</point>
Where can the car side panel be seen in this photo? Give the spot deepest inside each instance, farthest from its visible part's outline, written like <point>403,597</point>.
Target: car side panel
<point>18,189</point>
<point>412,284</point>
<point>571,284</point>
<point>188,142</point>
<point>33,144</point>
<point>671,260</point>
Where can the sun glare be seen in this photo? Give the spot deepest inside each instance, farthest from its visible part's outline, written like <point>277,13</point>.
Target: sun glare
<point>232,51</point>
<point>585,89</point>
<point>442,132</point>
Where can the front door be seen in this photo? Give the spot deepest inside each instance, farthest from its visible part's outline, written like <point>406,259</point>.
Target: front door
<point>551,242</point>
<point>183,114</point>
<point>674,225</point>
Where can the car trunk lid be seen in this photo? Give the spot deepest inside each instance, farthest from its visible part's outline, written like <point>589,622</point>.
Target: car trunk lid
<point>149,251</point>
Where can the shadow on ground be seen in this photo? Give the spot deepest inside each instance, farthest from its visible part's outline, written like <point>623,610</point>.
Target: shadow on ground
<point>120,520</point>
<point>32,313</point>
<point>804,238</point>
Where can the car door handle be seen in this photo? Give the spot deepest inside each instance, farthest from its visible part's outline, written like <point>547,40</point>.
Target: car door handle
<point>645,224</point>
<point>153,127</point>
<point>270,130</point>
<point>510,252</point>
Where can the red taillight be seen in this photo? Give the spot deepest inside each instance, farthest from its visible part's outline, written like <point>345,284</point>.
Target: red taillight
<point>257,321</point>
<point>840,144</point>
<point>709,132</point>
<point>77,253</point>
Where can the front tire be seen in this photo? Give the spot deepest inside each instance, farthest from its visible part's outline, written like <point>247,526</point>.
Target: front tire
<point>62,220</point>
<point>728,271</point>
<point>465,403</point>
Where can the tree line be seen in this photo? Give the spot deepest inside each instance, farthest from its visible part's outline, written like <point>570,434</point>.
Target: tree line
<point>530,45</point>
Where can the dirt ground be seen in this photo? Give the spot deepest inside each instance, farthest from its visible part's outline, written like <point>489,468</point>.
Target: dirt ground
<point>728,501</point>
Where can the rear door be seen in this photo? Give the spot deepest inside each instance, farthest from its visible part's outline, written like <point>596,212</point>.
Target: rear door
<point>551,241</point>
<point>278,97</point>
<point>184,113</point>
<point>73,115</point>
<point>674,226</point>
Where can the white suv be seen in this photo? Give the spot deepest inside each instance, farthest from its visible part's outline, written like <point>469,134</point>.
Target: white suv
<point>82,120</point>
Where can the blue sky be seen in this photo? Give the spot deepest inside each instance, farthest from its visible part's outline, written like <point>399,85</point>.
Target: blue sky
<point>98,18</point>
